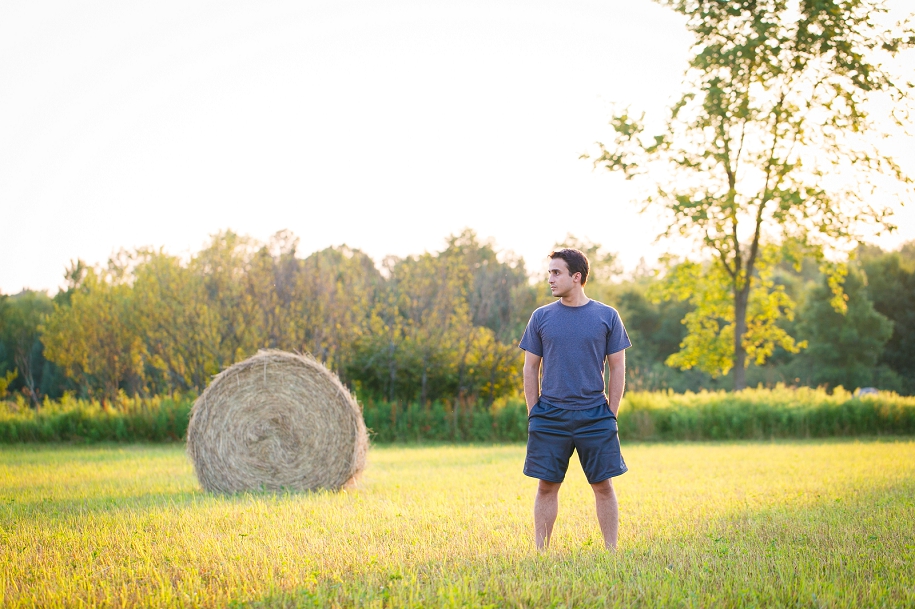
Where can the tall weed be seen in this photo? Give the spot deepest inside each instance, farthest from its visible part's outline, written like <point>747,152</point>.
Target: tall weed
<point>781,412</point>
<point>153,419</point>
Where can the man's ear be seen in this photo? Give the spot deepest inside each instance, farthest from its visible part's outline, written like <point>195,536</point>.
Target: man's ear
<point>578,275</point>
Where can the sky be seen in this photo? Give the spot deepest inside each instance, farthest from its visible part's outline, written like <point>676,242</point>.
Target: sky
<point>386,126</point>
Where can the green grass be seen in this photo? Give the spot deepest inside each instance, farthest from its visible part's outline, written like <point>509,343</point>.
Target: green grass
<point>800,524</point>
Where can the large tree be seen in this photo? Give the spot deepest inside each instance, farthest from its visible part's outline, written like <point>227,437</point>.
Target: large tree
<point>772,147</point>
<point>891,287</point>
<point>844,349</point>
<point>96,338</point>
<point>20,335</point>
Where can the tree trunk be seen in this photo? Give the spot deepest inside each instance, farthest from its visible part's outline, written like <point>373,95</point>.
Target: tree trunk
<point>455,413</point>
<point>392,369</point>
<point>23,360</point>
<point>492,385</point>
<point>740,329</point>
<point>423,385</point>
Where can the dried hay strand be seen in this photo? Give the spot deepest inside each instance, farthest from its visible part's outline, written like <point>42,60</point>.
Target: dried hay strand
<point>276,421</point>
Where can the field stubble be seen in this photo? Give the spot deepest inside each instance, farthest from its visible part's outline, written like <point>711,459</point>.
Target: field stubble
<point>808,523</point>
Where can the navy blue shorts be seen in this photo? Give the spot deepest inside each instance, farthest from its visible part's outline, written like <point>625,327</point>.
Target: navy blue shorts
<point>553,433</point>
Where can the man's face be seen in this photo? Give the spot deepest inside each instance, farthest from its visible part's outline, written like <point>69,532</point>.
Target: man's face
<point>561,281</point>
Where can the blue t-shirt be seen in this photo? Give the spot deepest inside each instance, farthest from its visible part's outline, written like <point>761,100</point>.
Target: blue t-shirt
<point>573,342</point>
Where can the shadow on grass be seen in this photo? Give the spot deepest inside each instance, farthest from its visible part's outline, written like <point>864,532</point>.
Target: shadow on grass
<point>138,502</point>
<point>178,491</point>
<point>107,452</point>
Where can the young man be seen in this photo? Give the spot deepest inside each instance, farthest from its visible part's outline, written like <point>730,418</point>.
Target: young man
<point>569,409</point>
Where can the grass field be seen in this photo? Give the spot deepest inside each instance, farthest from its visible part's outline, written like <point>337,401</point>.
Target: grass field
<point>799,524</point>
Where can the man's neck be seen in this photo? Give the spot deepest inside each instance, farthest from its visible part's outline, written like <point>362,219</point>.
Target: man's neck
<point>575,299</point>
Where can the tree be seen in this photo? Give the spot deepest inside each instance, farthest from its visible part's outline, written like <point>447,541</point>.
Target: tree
<point>771,145</point>
<point>5,381</point>
<point>328,304</point>
<point>891,287</point>
<point>433,331</point>
<point>420,330</point>
<point>843,348</point>
<point>710,321</point>
<point>179,323</point>
<point>500,300</point>
<point>7,368</point>
<point>603,265</point>
<point>223,268</point>
<point>19,333</point>
<point>655,330</point>
<point>95,339</point>
<point>376,359</point>
<point>498,292</point>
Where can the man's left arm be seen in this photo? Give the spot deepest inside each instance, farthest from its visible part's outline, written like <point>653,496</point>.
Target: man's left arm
<point>617,365</point>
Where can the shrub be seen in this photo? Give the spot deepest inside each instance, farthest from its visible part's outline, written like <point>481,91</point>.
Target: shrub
<point>764,413</point>
<point>153,419</point>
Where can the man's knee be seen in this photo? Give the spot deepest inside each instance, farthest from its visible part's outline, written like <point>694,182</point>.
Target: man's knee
<point>603,488</point>
<point>548,488</point>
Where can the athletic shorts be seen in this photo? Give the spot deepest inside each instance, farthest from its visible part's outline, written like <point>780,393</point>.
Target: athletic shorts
<point>553,433</point>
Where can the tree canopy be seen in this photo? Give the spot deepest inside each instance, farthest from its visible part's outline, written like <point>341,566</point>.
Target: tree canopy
<point>434,327</point>
<point>772,151</point>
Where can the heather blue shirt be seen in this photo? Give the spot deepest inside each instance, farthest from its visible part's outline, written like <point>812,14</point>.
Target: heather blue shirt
<point>573,342</point>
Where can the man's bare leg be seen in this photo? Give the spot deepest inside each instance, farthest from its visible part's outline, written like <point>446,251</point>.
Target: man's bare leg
<point>546,508</point>
<point>608,512</point>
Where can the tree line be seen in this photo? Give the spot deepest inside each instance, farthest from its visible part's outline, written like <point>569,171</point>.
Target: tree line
<point>418,328</point>
<point>438,326</point>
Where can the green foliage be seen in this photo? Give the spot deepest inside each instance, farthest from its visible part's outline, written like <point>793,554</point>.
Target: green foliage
<point>651,416</point>
<point>421,341</point>
<point>604,266</point>
<point>437,422</point>
<point>709,342</point>
<point>764,414</point>
<point>5,381</point>
<point>95,338</point>
<point>771,146</point>
<point>439,326</point>
<point>156,419</point>
<point>844,348</point>
<point>499,294</point>
<point>654,326</point>
<point>656,332</point>
<point>891,288</point>
<point>20,320</point>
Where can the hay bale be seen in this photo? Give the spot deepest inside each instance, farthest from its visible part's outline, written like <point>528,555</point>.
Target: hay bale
<point>276,421</point>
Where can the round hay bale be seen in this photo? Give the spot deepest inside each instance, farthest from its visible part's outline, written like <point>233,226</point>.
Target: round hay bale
<point>276,421</point>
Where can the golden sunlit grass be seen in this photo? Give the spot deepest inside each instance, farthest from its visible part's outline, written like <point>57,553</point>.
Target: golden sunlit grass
<point>827,523</point>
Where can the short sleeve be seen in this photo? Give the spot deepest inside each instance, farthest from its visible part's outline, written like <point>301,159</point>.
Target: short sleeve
<point>617,337</point>
<point>531,341</point>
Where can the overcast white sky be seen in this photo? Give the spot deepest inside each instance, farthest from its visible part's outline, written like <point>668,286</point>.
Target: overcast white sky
<point>383,125</point>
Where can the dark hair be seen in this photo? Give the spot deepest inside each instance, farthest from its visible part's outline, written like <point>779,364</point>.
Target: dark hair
<point>575,260</point>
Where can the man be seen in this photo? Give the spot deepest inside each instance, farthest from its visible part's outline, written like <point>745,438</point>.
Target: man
<point>569,410</point>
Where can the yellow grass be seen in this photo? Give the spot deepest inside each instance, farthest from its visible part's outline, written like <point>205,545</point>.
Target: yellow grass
<point>826,523</point>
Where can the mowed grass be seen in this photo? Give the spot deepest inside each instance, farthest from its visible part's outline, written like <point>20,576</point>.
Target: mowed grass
<point>800,524</point>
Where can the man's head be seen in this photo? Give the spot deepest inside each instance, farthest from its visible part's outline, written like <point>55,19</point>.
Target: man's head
<point>568,268</point>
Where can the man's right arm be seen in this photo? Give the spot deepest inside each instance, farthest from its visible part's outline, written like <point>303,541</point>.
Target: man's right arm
<point>531,379</point>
